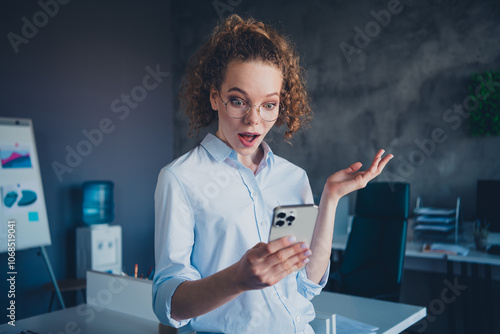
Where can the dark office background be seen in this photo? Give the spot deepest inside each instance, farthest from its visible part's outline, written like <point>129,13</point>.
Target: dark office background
<point>392,94</point>
<point>65,79</point>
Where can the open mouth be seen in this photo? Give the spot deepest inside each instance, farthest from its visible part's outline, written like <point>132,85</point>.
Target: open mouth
<point>248,139</point>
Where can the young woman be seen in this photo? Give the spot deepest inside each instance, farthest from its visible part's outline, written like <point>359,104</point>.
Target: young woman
<point>216,270</point>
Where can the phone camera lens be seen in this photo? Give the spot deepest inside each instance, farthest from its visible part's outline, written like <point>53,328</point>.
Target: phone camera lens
<point>280,223</point>
<point>281,215</point>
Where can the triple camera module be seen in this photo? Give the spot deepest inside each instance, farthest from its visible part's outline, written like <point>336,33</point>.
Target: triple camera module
<point>285,218</point>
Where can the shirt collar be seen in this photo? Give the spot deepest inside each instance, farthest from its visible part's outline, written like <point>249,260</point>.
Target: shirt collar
<point>268,153</point>
<point>216,147</point>
<point>220,151</point>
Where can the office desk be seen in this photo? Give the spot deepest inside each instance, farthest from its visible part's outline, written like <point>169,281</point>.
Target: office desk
<point>477,303</point>
<point>86,319</point>
<point>83,319</point>
<point>414,250</point>
<point>387,316</point>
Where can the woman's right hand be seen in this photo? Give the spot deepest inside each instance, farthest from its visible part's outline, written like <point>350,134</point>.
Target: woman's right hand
<point>266,264</point>
<point>261,266</point>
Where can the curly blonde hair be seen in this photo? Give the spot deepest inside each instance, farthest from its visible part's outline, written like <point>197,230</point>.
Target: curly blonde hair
<point>237,39</point>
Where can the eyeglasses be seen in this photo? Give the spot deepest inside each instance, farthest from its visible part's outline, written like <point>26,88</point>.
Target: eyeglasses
<point>238,108</point>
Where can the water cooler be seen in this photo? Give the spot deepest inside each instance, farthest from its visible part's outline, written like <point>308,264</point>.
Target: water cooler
<point>98,245</point>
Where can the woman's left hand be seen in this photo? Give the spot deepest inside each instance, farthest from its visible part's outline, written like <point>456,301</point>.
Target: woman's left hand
<point>351,179</point>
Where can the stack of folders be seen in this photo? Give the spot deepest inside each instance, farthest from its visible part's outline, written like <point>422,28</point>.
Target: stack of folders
<point>450,249</point>
<point>434,220</point>
<point>337,324</point>
<point>347,325</point>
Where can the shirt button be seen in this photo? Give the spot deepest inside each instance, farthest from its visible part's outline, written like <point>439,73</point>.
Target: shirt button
<point>298,318</point>
<point>255,194</point>
<point>262,223</point>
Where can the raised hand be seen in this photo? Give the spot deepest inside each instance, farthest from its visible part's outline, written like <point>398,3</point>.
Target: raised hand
<point>351,179</point>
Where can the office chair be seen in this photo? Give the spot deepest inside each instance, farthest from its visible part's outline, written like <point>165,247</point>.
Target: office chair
<point>372,265</point>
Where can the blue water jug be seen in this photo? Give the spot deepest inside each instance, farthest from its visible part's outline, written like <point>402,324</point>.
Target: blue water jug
<point>98,205</point>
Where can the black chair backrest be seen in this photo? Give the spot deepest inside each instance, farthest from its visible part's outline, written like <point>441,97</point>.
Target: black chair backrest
<point>383,200</point>
<point>372,265</point>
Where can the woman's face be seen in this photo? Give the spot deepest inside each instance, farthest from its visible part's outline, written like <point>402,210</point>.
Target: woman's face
<point>247,83</point>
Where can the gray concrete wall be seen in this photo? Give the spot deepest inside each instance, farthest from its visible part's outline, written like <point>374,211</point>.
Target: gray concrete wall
<point>392,94</point>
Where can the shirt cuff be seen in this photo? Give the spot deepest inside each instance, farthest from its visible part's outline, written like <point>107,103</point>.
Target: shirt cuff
<point>308,288</point>
<point>163,302</point>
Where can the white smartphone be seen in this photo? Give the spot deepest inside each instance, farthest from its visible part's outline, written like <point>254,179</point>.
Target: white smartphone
<point>296,220</point>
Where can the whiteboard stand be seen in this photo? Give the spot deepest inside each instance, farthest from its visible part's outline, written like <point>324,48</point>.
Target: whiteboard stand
<point>52,277</point>
<point>19,175</point>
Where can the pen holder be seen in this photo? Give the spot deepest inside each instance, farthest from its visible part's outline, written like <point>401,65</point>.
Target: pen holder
<point>481,242</point>
<point>481,233</point>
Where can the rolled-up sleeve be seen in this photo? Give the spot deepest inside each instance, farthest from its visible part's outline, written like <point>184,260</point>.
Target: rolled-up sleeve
<point>174,240</point>
<point>308,288</point>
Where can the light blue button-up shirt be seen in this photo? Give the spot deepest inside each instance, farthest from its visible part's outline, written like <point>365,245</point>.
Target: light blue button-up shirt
<point>209,210</point>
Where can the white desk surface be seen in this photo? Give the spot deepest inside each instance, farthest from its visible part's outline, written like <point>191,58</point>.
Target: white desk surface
<point>414,249</point>
<point>387,316</point>
<point>83,319</point>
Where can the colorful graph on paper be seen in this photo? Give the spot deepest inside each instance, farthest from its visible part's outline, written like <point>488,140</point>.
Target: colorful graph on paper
<point>18,157</point>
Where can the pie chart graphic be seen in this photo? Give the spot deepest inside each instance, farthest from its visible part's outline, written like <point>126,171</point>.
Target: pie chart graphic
<point>10,199</point>
<point>28,197</point>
